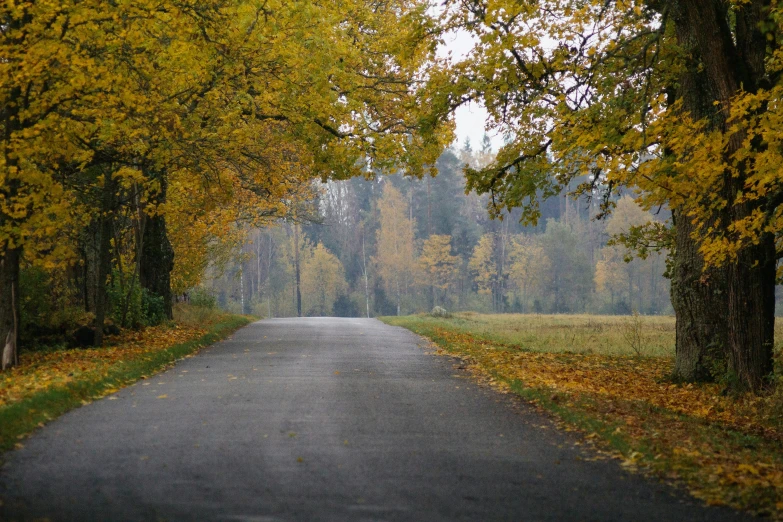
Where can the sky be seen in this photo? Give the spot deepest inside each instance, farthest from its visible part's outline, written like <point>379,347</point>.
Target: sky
<point>470,118</point>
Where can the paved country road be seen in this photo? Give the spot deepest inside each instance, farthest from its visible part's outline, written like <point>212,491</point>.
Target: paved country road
<point>319,419</point>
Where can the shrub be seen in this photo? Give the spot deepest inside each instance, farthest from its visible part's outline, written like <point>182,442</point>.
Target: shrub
<point>46,308</point>
<point>633,332</point>
<point>153,309</point>
<point>35,304</point>
<point>134,307</point>
<point>202,298</point>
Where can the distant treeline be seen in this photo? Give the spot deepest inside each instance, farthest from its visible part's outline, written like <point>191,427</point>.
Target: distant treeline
<point>390,245</point>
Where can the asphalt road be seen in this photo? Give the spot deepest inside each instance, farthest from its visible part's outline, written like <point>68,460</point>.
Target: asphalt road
<point>320,419</point>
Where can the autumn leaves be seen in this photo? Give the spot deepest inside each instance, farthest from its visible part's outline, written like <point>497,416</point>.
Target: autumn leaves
<point>639,95</point>
<point>139,137</point>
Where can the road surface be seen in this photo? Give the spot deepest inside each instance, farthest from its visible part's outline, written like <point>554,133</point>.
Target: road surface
<point>320,419</point>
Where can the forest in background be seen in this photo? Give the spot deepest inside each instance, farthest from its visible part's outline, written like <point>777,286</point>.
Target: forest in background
<point>399,245</point>
<point>141,140</point>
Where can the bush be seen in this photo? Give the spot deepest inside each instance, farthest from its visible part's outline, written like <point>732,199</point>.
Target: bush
<point>153,309</point>
<point>46,309</point>
<point>197,316</point>
<point>35,299</point>
<point>125,306</point>
<point>202,299</point>
<point>134,307</point>
<point>633,332</point>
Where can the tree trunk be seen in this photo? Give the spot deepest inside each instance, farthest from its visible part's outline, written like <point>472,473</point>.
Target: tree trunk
<point>9,256</point>
<point>9,307</point>
<point>751,315</point>
<point>269,278</point>
<point>700,306</point>
<point>366,283</point>
<point>297,273</point>
<point>157,254</point>
<point>104,254</point>
<point>722,63</point>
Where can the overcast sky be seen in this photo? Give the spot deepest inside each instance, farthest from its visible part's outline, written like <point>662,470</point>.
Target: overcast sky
<point>470,118</point>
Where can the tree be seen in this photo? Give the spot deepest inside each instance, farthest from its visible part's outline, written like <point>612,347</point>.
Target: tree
<point>438,267</point>
<point>394,245</point>
<point>528,266</point>
<point>153,131</point>
<point>618,262</point>
<point>323,281</point>
<point>486,264</point>
<point>673,98</point>
<point>569,276</point>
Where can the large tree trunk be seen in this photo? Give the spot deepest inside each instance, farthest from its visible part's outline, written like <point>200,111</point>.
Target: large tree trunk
<point>9,280</point>
<point>157,254</point>
<point>10,255</point>
<point>751,314</point>
<point>723,63</point>
<point>700,305</point>
<point>699,298</point>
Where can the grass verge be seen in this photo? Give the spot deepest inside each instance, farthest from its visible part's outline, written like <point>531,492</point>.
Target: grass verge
<point>23,412</point>
<point>724,450</point>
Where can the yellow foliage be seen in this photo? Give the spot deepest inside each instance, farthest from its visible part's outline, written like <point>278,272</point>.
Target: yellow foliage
<point>234,107</point>
<point>527,262</point>
<point>484,264</point>
<point>395,256</point>
<point>323,280</point>
<point>437,265</point>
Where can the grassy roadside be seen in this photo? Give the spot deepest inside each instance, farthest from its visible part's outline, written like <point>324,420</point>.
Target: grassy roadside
<point>725,450</point>
<point>46,385</point>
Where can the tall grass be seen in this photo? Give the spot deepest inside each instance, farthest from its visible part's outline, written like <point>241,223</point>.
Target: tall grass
<point>600,334</point>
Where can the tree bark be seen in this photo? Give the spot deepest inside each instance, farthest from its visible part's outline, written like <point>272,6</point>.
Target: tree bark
<point>9,307</point>
<point>751,315</point>
<point>700,305</point>
<point>722,63</point>
<point>104,254</point>
<point>157,254</point>
<point>10,255</point>
<point>699,299</point>
<point>297,274</point>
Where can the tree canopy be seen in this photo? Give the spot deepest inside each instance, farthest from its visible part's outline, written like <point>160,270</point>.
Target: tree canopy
<point>676,100</point>
<point>150,131</point>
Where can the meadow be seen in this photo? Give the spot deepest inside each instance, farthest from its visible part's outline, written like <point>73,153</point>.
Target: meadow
<point>584,334</point>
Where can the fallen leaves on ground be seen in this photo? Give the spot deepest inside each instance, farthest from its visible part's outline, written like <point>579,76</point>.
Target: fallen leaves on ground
<point>727,450</point>
<point>39,371</point>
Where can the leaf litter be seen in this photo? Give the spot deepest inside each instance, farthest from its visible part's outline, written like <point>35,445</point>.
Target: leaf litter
<point>726,450</point>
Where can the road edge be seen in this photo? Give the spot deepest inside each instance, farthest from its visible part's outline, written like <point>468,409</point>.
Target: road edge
<point>21,419</point>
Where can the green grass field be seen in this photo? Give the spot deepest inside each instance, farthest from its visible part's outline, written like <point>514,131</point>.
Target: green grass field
<point>587,334</point>
<point>584,334</point>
